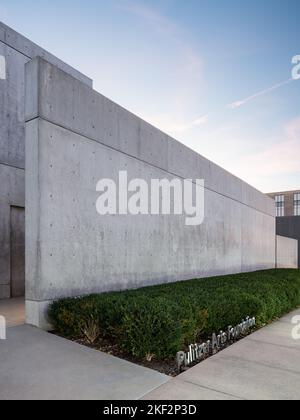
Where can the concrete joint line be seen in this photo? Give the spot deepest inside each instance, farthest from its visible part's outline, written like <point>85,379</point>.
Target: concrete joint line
<point>12,166</point>
<point>252,362</point>
<point>153,389</point>
<point>147,163</point>
<point>212,389</point>
<point>273,344</point>
<point>15,49</point>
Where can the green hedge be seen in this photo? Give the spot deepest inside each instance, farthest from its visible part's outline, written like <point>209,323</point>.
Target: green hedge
<point>161,320</point>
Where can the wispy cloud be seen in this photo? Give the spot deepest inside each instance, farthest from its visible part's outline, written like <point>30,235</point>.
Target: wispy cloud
<point>184,68</point>
<point>279,158</point>
<point>238,104</point>
<point>200,121</point>
<point>151,15</point>
<point>175,128</point>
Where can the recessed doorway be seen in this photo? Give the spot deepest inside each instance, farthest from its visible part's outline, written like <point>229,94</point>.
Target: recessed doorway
<point>17,252</point>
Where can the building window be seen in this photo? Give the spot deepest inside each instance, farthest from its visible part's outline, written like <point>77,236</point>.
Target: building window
<point>279,200</point>
<point>297,204</point>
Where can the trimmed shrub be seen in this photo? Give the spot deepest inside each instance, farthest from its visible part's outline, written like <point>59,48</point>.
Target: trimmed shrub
<point>150,329</point>
<point>156,322</point>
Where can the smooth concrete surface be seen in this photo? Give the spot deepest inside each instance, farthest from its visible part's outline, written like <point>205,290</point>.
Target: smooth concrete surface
<point>13,311</point>
<point>286,252</point>
<point>290,228</point>
<point>40,366</point>
<point>17,51</point>
<point>74,138</point>
<point>263,366</point>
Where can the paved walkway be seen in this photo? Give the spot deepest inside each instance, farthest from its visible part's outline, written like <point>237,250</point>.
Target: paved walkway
<point>265,365</point>
<point>14,311</point>
<point>37,365</point>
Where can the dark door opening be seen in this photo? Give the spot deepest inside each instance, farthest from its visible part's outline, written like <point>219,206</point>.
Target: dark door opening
<point>17,251</point>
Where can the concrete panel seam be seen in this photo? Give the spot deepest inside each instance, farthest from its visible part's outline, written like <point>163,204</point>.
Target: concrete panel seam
<point>148,163</point>
<point>31,119</point>
<point>158,130</point>
<point>12,166</point>
<point>15,49</point>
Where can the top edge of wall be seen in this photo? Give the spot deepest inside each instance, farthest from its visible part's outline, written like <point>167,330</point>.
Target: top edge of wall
<point>99,119</point>
<point>23,45</point>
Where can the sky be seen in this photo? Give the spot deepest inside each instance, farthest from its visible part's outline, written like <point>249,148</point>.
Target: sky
<point>214,74</point>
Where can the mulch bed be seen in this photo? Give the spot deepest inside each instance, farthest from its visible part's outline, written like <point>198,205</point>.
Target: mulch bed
<point>167,367</point>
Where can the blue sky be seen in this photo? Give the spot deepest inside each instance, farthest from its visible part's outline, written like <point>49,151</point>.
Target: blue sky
<point>215,74</point>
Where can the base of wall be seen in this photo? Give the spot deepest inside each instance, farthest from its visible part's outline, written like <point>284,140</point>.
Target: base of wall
<point>37,314</point>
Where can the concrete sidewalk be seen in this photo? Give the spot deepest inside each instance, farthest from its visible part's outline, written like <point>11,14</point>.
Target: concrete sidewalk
<point>37,365</point>
<point>263,366</point>
<point>13,310</point>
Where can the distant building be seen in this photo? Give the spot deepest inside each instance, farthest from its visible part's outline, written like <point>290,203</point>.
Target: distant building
<point>287,203</point>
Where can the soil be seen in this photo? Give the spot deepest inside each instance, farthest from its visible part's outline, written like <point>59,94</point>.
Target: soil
<point>167,367</point>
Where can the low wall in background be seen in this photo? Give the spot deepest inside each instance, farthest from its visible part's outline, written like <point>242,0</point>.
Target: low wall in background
<point>286,252</point>
<point>74,137</point>
<point>289,227</point>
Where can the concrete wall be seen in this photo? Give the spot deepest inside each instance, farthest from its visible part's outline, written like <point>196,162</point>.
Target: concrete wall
<point>12,151</point>
<point>12,192</point>
<point>286,252</point>
<point>290,228</point>
<point>74,137</point>
<point>17,51</point>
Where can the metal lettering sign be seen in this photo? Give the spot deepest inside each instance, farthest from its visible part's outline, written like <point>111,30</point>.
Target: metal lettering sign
<point>199,352</point>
